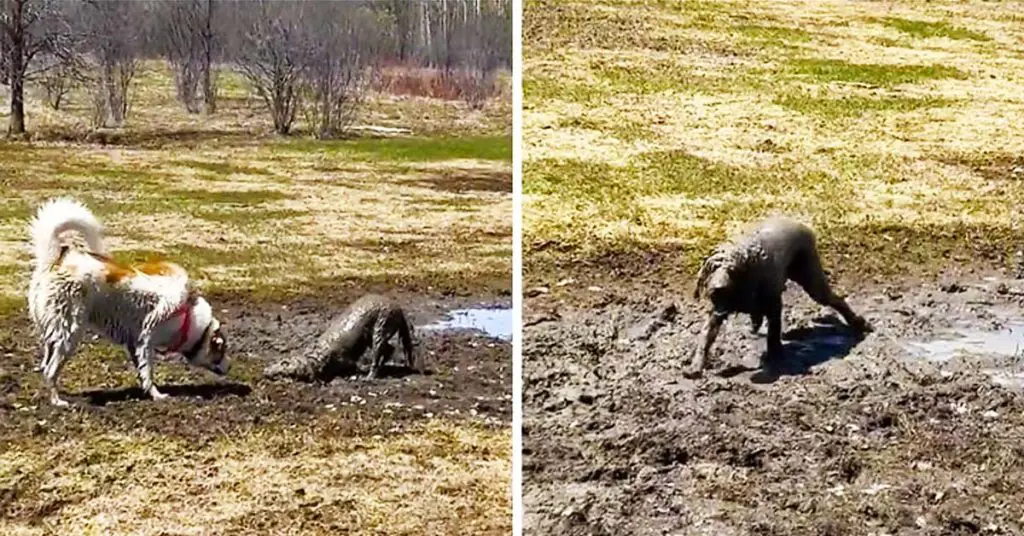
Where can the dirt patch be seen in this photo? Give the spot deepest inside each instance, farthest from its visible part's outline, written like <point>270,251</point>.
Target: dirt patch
<point>992,166</point>
<point>463,181</point>
<point>852,437</point>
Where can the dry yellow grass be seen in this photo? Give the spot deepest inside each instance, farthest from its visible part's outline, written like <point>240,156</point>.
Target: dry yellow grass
<point>434,479</point>
<point>671,124</point>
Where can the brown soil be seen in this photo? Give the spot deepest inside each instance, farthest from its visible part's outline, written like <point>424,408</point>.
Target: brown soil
<point>851,437</point>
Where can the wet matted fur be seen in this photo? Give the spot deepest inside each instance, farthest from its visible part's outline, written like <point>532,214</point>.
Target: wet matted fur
<point>748,275</point>
<point>144,308</point>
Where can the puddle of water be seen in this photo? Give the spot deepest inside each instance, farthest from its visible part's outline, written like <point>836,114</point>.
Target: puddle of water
<point>820,347</point>
<point>1006,379</point>
<point>1008,341</point>
<point>495,323</point>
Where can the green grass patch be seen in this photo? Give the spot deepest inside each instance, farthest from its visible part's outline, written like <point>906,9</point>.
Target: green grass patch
<point>624,129</point>
<point>103,173</point>
<point>233,197</point>
<point>826,70</point>
<point>855,106</point>
<point>926,29</point>
<point>779,36</point>
<point>16,209</point>
<point>12,306</point>
<point>541,87</point>
<point>222,168</point>
<point>434,149</point>
<point>246,217</point>
<point>192,257</point>
<point>449,204</point>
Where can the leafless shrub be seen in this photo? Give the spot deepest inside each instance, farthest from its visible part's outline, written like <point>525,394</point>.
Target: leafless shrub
<point>344,42</point>
<point>60,76</point>
<point>474,48</point>
<point>272,56</point>
<point>186,39</point>
<point>112,36</point>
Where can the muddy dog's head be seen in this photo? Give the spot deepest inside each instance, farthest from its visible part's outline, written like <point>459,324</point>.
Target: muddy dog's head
<point>209,351</point>
<point>716,277</point>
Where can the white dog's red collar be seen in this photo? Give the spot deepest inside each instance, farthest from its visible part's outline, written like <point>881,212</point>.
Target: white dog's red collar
<point>181,336</point>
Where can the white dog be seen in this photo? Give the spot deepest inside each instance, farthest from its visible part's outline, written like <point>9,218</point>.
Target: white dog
<point>147,307</point>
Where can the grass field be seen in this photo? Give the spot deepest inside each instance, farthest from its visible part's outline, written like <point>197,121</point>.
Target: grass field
<point>262,223</point>
<point>893,127</point>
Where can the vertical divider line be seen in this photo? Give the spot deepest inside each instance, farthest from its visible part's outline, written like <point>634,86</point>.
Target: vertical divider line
<point>517,268</point>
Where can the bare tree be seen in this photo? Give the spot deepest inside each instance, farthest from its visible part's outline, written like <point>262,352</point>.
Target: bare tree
<point>186,40</point>
<point>112,36</point>
<point>345,40</point>
<point>29,29</point>
<point>272,56</point>
<point>207,77</point>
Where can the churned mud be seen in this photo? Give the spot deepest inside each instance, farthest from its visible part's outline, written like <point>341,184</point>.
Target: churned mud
<point>468,376</point>
<point>915,429</point>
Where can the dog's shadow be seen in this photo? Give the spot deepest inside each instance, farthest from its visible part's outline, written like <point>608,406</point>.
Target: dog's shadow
<point>210,391</point>
<point>804,348</point>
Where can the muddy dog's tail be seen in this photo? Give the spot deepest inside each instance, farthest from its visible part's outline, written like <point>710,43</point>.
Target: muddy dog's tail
<point>405,334</point>
<point>57,216</point>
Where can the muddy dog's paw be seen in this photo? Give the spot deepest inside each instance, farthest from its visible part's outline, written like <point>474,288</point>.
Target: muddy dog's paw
<point>693,373</point>
<point>863,326</point>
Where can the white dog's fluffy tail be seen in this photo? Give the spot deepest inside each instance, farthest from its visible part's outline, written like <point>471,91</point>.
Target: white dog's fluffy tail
<point>57,216</point>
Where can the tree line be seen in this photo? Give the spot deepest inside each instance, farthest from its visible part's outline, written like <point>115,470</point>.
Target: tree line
<point>314,58</point>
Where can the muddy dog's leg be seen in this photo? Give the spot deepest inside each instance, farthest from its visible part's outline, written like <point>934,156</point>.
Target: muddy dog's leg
<point>708,335</point>
<point>46,352</point>
<point>144,355</point>
<point>756,319</point>
<point>405,335</point>
<point>773,310</point>
<point>811,277</point>
<point>60,352</point>
<point>65,332</point>
<point>378,352</point>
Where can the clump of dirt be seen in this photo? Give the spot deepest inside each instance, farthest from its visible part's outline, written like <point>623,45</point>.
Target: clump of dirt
<point>851,437</point>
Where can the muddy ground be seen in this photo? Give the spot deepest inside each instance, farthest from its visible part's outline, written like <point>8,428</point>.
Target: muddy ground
<point>468,376</point>
<point>871,436</point>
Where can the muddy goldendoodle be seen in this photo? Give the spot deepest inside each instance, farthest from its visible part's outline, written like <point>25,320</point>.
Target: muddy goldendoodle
<point>749,274</point>
<point>369,322</point>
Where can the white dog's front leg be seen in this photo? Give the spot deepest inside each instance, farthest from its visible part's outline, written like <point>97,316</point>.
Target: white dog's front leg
<point>144,365</point>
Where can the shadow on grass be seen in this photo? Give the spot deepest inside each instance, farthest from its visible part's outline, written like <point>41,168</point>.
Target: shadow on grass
<point>206,391</point>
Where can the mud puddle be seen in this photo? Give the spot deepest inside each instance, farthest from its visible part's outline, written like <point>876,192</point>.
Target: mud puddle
<point>496,322</point>
<point>966,341</point>
<point>917,414</point>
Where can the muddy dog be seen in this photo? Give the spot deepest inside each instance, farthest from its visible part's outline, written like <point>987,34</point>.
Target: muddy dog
<point>146,308</point>
<point>748,276</point>
<point>368,323</point>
